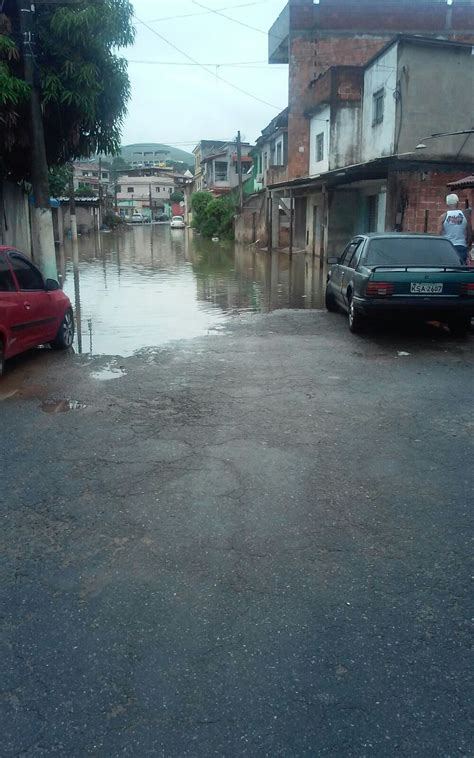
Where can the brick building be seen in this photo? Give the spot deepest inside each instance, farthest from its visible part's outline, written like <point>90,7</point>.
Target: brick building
<point>368,81</point>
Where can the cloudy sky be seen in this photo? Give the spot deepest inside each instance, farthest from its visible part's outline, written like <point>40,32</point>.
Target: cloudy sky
<point>181,104</point>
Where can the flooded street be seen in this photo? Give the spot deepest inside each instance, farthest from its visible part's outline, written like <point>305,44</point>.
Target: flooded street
<point>150,285</point>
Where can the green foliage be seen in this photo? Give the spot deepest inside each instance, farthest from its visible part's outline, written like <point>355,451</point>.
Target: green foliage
<point>177,196</point>
<point>84,83</point>
<point>213,216</point>
<point>85,192</point>
<point>219,218</point>
<point>59,180</point>
<point>199,203</point>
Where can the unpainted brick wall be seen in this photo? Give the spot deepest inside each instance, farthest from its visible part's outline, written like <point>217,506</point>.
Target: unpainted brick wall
<point>422,191</point>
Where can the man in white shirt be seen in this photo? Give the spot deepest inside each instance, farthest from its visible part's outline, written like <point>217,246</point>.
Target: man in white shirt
<point>455,225</point>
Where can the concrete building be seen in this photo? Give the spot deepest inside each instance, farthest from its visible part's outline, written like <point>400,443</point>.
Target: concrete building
<point>86,177</point>
<point>145,190</point>
<point>361,97</point>
<point>216,166</point>
<point>270,154</point>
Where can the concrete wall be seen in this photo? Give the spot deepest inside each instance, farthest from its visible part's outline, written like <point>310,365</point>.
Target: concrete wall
<point>437,95</point>
<point>15,218</point>
<point>86,218</point>
<point>345,136</point>
<point>320,124</point>
<point>251,224</point>
<point>379,139</point>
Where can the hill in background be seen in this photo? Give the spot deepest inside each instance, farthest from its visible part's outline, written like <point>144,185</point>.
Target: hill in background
<point>155,152</point>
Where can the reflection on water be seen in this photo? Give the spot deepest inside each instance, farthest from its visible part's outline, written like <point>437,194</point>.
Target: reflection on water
<point>150,285</point>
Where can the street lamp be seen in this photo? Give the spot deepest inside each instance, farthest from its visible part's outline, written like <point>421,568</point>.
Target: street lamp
<point>421,145</point>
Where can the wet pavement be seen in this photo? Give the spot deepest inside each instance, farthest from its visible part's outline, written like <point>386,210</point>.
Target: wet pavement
<point>254,542</point>
<point>150,285</point>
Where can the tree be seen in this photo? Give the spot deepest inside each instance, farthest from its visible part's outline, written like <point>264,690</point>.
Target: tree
<point>199,203</point>
<point>213,216</point>
<point>59,180</point>
<point>177,196</point>
<point>84,83</point>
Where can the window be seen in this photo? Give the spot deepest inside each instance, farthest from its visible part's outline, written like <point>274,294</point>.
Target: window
<point>410,251</point>
<point>265,161</point>
<point>372,210</point>
<point>221,168</point>
<point>348,253</point>
<point>28,277</point>
<point>157,189</point>
<point>278,154</point>
<point>379,97</point>
<point>105,174</point>
<point>319,147</point>
<point>130,189</point>
<point>6,280</point>
<point>171,190</point>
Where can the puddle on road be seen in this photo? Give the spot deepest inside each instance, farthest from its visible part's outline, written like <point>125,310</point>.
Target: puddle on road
<point>108,372</point>
<point>145,287</point>
<point>61,406</point>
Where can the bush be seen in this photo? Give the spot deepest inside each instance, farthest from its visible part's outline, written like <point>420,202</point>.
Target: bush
<point>213,216</point>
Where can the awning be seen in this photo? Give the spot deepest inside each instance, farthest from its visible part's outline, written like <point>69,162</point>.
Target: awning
<point>466,183</point>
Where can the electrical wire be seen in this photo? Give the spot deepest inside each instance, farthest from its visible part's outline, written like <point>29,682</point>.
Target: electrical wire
<point>208,71</point>
<point>241,23</point>
<point>243,66</point>
<point>206,13</point>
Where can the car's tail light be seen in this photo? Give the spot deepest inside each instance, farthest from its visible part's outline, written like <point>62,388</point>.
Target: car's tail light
<point>467,288</point>
<point>379,289</point>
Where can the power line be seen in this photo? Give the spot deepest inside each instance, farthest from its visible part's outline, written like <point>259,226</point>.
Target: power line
<point>241,23</point>
<point>243,65</point>
<point>206,13</point>
<point>201,65</point>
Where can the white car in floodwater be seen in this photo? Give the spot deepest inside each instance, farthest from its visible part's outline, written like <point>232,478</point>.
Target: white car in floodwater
<point>177,222</point>
<point>138,218</point>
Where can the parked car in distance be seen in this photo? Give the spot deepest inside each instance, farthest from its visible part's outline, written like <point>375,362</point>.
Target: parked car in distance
<point>177,222</point>
<point>137,218</point>
<point>33,311</point>
<point>163,217</point>
<point>401,276</point>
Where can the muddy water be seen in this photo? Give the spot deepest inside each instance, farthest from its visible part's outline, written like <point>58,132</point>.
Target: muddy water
<point>150,285</point>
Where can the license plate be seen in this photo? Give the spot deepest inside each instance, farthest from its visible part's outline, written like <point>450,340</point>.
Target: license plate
<point>421,288</point>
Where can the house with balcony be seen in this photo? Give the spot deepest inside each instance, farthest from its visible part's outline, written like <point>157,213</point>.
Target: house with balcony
<point>86,177</point>
<point>216,168</point>
<point>270,154</point>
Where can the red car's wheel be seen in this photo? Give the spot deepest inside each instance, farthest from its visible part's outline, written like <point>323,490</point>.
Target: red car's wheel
<point>65,335</point>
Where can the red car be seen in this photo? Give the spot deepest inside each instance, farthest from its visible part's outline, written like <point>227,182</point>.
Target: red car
<point>32,311</point>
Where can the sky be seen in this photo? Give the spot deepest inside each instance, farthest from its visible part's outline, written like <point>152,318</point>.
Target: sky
<point>182,104</point>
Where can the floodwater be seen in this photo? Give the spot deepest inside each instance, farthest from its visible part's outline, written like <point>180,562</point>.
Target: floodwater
<point>147,286</point>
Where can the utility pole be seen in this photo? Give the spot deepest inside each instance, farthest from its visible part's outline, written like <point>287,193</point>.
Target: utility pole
<point>239,169</point>
<point>42,232</point>
<point>150,201</point>
<point>99,220</point>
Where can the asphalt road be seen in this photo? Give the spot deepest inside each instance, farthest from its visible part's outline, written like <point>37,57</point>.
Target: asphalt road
<point>250,544</point>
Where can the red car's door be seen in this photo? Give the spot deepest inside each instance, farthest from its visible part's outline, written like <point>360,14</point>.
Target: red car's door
<point>40,320</point>
<point>11,311</point>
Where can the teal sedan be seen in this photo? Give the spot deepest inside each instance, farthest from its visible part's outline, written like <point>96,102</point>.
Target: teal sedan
<point>401,276</point>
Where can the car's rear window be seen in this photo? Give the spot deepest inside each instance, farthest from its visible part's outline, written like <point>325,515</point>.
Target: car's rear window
<point>410,251</point>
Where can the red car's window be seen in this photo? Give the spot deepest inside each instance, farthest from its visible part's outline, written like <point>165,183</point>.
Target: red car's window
<point>27,276</point>
<point>6,280</point>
